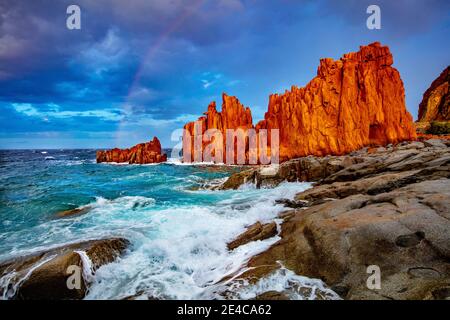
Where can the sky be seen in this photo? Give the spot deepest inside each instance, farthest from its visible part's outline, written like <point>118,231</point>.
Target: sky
<point>143,68</point>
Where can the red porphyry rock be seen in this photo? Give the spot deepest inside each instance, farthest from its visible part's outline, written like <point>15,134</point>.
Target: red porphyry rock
<point>353,102</point>
<point>143,153</point>
<point>233,116</point>
<point>435,105</point>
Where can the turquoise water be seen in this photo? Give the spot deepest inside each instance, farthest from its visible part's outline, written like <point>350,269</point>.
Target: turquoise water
<point>178,229</point>
<point>35,185</point>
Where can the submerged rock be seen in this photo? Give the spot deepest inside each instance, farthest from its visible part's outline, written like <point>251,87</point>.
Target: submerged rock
<point>74,212</point>
<point>44,275</point>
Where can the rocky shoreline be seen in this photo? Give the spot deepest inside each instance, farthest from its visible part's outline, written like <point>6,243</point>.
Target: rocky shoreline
<point>388,207</point>
<point>44,275</point>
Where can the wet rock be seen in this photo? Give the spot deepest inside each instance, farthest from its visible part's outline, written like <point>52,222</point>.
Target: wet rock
<point>254,232</point>
<point>295,204</point>
<point>237,180</point>
<point>286,215</point>
<point>341,290</point>
<point>399,231</point>
<point>272,295</point>
<point>44,275</point>
<point>73,212</point>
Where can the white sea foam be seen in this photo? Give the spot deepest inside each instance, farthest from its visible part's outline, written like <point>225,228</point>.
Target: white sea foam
<point>65,162</point>
<point>179,162</point>
<point>77,162</point>
<point>294,286</point>
<point>182,253</point>
<point>9,283</point>
<point>88,269</point>
<point>203,185</point>
<point>176,253</point>
<point>122,204</point>
<point>130,164</point>
<point>115,163</point>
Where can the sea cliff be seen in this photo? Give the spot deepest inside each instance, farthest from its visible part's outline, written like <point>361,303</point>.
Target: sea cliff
<point>353,102</point>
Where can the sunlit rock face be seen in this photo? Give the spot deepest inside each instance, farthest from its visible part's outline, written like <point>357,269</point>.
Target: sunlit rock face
<point>233,116</point>
<point>353,102</point>
<point>143,153</point>
<point>435,105</point>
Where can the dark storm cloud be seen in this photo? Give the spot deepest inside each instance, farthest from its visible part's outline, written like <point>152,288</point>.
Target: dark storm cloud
<point>35,40</point>
<point>402,17</point>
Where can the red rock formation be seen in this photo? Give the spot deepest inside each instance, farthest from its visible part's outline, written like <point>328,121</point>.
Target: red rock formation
<point>233,116</point>
<point>353,102</point>
<point>143,153</point>
<point>435,105</point>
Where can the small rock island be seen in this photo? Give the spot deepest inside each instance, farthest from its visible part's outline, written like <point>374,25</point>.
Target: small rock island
<point>143,153</point>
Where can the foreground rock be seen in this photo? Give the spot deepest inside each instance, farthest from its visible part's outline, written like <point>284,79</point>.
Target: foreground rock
<point>302,169</point>
<point>391,209</point>
<point>44,275</point>
<point>254,232</point>
<point>144,153</point>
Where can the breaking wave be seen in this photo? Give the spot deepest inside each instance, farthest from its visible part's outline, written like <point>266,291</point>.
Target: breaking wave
<point>177,227</point>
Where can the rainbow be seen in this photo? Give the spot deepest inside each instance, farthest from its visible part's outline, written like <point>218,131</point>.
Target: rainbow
<point>151,52</point>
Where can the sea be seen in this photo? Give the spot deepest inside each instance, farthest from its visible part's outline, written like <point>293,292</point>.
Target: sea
<point>177,226</point>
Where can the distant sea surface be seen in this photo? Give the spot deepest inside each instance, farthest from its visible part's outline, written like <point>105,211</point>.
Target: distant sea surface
<point>177,228</point>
